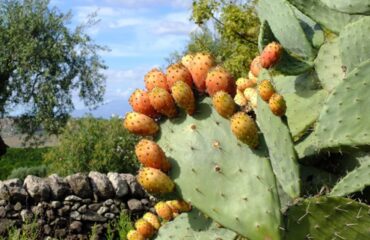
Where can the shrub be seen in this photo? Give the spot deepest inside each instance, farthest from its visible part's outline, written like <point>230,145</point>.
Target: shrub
<point>23,172</point>
<point>93,144</point>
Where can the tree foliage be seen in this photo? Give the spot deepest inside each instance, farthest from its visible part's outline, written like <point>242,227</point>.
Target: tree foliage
<point>43,63</point>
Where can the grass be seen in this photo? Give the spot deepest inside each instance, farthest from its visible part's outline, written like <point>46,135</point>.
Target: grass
<point>20,157</point>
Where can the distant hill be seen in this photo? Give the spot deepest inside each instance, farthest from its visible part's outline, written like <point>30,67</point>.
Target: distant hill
<point>117,108</point>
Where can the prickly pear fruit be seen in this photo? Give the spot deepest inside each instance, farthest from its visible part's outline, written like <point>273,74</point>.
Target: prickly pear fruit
<point>164,211</point>
<point>134,235</point>
<point>277,105</point>
<point>252,77</point>
<point>144,228</point>
<point>224,104</point>
<point>239,99</point>
<point>140,124</point>
<point>150,154</point>
<point>271,54</point>
<point>187,60</point>
<point>251,95</point>
<point>179,206</point>
<point>255,66</point>
<point>218,79</point>
<point>199,67</point>
<point>174,210</point>
<point>183,96</point>
<point>265,90</point>
<point>152,219</point>
<point>243,83</point>
<point>139,101</point>
<point>178,72</point>
<point>245,129</point>
<point>162,102</point>
<point>155,78</point>
<point>155,181</point>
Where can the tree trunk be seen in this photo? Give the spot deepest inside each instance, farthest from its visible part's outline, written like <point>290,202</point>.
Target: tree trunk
<point>3,147</point>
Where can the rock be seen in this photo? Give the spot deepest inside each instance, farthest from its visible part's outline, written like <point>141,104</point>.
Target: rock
<point>18,206</point>
<point>101,185</point>
<point>73,198</point>
<point>75,215</point>
<point>135,188</point>
<point>75,227</point>
<point>56,204</point>
<point>103,210</point>
<point>145,202</point>
<point>82,209</point>
<point>114,209</point>
<point>86,201</point>
<point>50,215</point>
<point>60,222</point>
<point>60,233</point>
<point>2,212</point>
<point>135,205</point>
<point>16,191</point>
<point>47,229</point>
<point>80,185</point>
<point>93,217</point>
<point>3,202</point>
<point>37,188</point>
<point>95,206</point>
<point>120,186</point>
<point>38,211</point>
<point>64,211</point>
<point>109,216</point>
<point>4,193</point>
<point>75,206</point>
<point>59,187</point>
<point>108,202</point>
<point>26,215</point>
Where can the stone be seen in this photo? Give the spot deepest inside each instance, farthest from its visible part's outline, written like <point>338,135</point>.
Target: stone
<point>38,210</point>
<point>103,210</point>
<point>145,202</point>
<point>3,202</point>
<point>47,229</point>
<point>86,201</point>
<point>37,188</point>
<point>101,185</point>
<point>75,206</point>
<point>75,227</point>
<point>26,215</point>
<point>135,205</point>
<point>120,185</point>
<point>135,188</point>
<point>108,202</point>
<point>50,215</point>
<point>55,204</point>
<point>73,198</point>
<point>60,233</point>
<point>2,212</point>
<point>67,203</point>
<point>4,193</point>
<point>64,210</point>
<point>95,206</point>
<point>18,206</point>
<point>16,191</point>
<point>93,217</point>
<point>123,205</point>
<point>60,222</point>
<point>75,215</point>
<point>114,209</point>
<point>59,187</point>
<point>80,185</point>
<point>109,216</point>
<point>82,209</point>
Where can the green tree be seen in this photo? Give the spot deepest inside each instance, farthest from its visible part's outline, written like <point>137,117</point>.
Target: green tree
<point>93,144</point>
<point>43,62</point>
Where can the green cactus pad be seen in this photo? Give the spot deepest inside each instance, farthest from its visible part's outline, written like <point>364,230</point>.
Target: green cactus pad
<point>328,65</point>
<point>328,218</point>
<point>221,176</point>
<point>296,84</point>
<point>302,110</point>
<point>355,180</point>
<point>349,6</point>
<point>319,12</point>
<point>193,225</point>
<point>286,27</point>
<point>307,146</point>
<point>281,149</point>
<point>354,43</point>
<point>344,119</point>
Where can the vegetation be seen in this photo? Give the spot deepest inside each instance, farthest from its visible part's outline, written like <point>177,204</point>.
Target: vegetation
<point>23,172</point>
<point>93,144</point>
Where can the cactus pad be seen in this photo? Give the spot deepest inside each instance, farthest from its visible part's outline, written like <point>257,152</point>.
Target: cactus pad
<point>349,6</point>
<point>220,175</point>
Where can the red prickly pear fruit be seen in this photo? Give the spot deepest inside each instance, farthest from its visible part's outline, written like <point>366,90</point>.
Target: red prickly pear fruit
<point>152,219</point>
<point>155,78</point>
<point>134,235</point>
<point>178,72</point>
<point>277,105</point>
<point>251,95</point>
<point>164,211</point>
<point>243,83</point>
<point>255,66</point>
<point>266,90</point>
<point>150,154</point>
<point>162,102</point>
<point>224,104</point>
<point>184,96</point>
<point>155,181</point>
<point>245,129</point>
<point>140,124</point>
<point>199,67</point>
<point>139,101</point>
<point>239,99</point>
<point>187,60</point>
<point>179,206</point>
<point>218,79</point>
<point>271,54</point>
<point>144,228</point>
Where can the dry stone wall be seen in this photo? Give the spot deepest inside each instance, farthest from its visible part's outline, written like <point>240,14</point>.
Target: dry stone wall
<point>67,208</point>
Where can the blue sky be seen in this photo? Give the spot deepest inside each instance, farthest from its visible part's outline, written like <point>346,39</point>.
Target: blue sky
<point>140,34</point>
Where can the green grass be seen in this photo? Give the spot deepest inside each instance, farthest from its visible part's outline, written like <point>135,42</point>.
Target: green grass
<point>20,157</point>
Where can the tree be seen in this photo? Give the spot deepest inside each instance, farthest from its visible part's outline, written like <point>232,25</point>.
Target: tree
<point>43,62</point>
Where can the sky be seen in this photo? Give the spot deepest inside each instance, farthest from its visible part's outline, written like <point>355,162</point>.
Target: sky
<point>140,35</point>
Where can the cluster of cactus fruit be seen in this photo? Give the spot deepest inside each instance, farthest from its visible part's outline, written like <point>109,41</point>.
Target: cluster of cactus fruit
<point>299,167</point>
